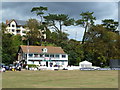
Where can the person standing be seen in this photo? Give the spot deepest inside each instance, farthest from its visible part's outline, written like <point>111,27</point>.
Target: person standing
<point>26,67</point>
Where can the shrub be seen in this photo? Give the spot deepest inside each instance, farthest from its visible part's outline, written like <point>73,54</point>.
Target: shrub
<point>31,65</point>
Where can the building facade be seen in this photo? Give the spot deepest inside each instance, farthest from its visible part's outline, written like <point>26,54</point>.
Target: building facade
<point>42,55</point>
<point>17,27</point>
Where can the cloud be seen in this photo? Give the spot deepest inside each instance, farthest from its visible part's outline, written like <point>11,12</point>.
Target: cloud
<point>75,32</point>
<point>22,11</point>
<point>73,9</point>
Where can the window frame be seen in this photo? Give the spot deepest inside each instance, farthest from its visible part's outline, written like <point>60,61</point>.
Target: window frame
<point>57,56</point>
<point>13,25</point>
<point>52,55</point>
<point>63,56</point>
<point>13,30</point>
<point>30,55</point>
<point>46,55</point>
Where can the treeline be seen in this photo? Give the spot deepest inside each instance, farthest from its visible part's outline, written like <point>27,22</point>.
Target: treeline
<point>100,43</point>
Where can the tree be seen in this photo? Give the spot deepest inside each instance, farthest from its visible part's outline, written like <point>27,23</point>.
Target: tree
<point>3,25</point>
<point>61,19</point>
<point>86,21</point>
<point>35,34</point>
<point>101,45</point>
<point>39,11</point>
<point>57,21</point>
<point>110,24</point>
<point>74,50</point>
<point>10,44</point>
<point>32,24</point>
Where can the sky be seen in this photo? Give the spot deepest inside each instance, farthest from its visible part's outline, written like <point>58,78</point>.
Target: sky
<point>22,11</point>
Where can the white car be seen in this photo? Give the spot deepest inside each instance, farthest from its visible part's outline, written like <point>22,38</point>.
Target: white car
<point>2,70</point>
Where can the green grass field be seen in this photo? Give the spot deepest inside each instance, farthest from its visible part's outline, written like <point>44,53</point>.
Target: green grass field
<point>60,79</point>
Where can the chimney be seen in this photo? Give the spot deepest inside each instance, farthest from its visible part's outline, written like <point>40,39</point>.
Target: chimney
<point>7,22</point>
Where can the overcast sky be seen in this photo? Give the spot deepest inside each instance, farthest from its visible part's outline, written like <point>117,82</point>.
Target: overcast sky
<point>21,11</point>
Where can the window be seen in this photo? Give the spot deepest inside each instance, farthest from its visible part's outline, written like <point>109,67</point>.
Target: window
<point>42,37</point>
<point>13,25</point>
<point>33,62</point>
<point>51,55</point>
<point>63,56</point>
<point>13,30</point>
<point>62,62</point>
<point>35,55</point>
<point>18,31</point>
<point>43,32</point>
<point>46,55</point>
<point>44,50</point>
<point>57,56</point>
<point>41,55</point>
<point>30,55</point>
<point>57,63</point>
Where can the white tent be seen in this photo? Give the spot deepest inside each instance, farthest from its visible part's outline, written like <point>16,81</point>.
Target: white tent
<point>85,64</point>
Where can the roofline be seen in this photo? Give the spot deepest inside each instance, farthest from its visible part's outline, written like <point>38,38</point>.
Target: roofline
<point>38,46</point>
<point>15,22</point>
<point>12,20</point>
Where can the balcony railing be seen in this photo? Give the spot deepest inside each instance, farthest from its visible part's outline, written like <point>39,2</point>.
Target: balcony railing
<point>51,56</point>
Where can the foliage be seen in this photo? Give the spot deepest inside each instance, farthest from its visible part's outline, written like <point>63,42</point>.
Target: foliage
<point>86,21</point>
<point>32,24</point>
<point>39,11</point>
<point>100,42</point>
<point>101,45</point>
<point>61,19</point>
<point>34,36</point>
<point>10,46</point>
<point>110,24</point>
<point>75,52</point>
<point>31,65</point>
<point>3,27</point>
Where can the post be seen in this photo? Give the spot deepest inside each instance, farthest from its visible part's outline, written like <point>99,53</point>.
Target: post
<point>27,50</point>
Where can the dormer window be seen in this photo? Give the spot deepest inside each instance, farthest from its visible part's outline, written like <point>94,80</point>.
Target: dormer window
<point>44,50</point>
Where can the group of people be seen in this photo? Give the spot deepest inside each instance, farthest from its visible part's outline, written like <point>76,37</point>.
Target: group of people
<point>32,68</point>
<point>10,67</point>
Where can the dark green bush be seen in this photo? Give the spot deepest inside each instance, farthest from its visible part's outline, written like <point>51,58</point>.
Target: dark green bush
<point>31,65</point>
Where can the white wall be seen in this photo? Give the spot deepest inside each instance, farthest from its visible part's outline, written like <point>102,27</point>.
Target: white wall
<point>57,60</point>
<point>42,58</point>
<point>9,29</point>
